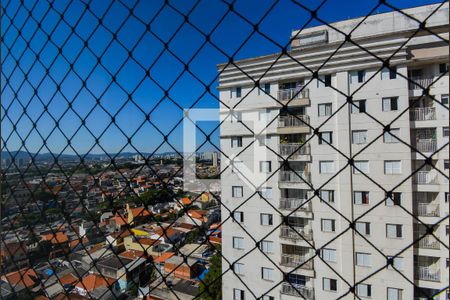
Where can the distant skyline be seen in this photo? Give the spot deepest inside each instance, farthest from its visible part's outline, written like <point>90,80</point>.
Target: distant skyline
<point>284,17</point>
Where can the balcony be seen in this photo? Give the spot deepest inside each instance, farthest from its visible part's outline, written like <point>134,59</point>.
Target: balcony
<point>295,204</point>
<point>294,150</point>
<point>295,232</point>
<point>293,93</point>
<point>423,114</point>
<point>427,210</point>
<point>297,290</point>
<point>428,242</point>
<point>425,177</point>
<point>295,177</point>
<point>294,261</point>
<point>418,83</point>
<point>428,274</point>
<point>426,145</point>
<point>293,124</point>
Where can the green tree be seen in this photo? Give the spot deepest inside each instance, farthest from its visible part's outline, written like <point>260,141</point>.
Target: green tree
<point>211,287</point>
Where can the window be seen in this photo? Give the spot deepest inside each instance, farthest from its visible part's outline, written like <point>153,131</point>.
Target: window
<point>238,216</point>
<point>390,103</point>
<point>395,199</point>
<point>328,225</point>
<point>238,268</point>
<point>237,191</point>
<point>443,68</point>
<point>326,167</point>
<point>394,230</point>
<point>325,109</point>
<point>265,166</point>
<point>263,140</point>
<point>267,273</point>
<point>266,246</point>
<point>329,284</point>
<point>266,219</point>
<point>445,131</point>
<point>397,262</point>
<point>237,166</point>
<point>364,290</point>
<point>325,137</point>
<point>392,167</point>
<point>363,228</point>
<point>390,137</point>
<point>445,164</point>
<point>363,259</point>
<point>324,81</point>
<point>238,92</point>
<point>267,88</point>
<point>236,116</point>
<point>394,294</point>
<point>359,137</point>
<point>444,99</point>
<point>357,76</point>
<point>361,197</point>
<point>264,115</point>
<point>327,196</point>
<point>238,242</point>
<point>329,255</point>
<point>358,106</point>
<point>238,294</point>
<point>389,73</point>
<point>361,166</point>
<point>266,192</point>
<point>266,297</point>
<point>236,142</point>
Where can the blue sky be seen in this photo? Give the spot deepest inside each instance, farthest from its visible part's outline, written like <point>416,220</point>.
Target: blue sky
<point>75,64</point>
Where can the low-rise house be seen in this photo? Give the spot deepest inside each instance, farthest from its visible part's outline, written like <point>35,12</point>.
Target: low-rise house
<point>177,267</point>
<point>92,282</point>
<point>146,245</point>
<point>26,278</point>
<point>13,256</point>
<point>126,271</point>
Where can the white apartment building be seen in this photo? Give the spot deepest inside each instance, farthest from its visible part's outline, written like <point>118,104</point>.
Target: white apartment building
<point>273,230</point>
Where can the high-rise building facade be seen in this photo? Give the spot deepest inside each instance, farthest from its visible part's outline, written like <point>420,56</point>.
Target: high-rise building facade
<point>319,225</point>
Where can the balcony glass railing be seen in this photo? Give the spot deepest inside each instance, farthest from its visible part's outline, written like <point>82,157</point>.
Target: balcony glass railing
<point>425,177</point>
<point>297,290</point>
<point>418,83</point>
<point>294,149</point>
<point>295,204</point>
<point>293,93</point>
<point>294,232</point>
<point>428,242</point>
<point>428,210</point>
<point>423,113</point>
<point>295,177</point>
<point>294,261</point>
<point>428,273</point>
<point>426,145</point>
<point>293,121</point>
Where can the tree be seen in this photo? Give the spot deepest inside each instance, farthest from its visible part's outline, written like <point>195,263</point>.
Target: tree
<point>211,286</point>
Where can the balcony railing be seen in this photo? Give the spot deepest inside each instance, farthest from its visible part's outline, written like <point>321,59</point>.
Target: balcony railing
<point>426,145</point>
<point>428,242</point>
<point>293,93</point>
<point>295,177</point>
<point>429,274</point>
<point>294,149</point>
<point>292,232</point>
<point>294,261</point>
<point>297,290</point>
<point>293,121</point>
<point>295,204</point>
<point>425,177</point>
<point>423,114</point>
<point>428,210</point>
<point>418,83</point>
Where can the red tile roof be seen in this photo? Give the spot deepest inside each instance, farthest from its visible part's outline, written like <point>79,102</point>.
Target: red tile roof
<point>26,277</point>
<point>94,281</point>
